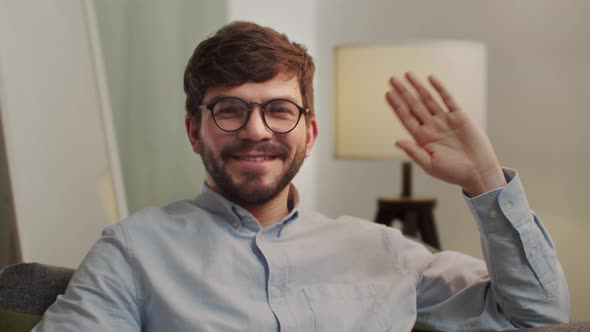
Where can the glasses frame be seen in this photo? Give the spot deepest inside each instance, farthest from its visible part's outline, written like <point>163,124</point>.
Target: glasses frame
<point>211,106</point>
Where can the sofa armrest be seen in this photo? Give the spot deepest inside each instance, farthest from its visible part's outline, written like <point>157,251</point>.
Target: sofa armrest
<point>31,288</point>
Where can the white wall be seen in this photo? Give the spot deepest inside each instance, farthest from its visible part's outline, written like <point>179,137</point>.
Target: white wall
<point>55,138</point>
<point>537,113</point>
<point>298,20</point>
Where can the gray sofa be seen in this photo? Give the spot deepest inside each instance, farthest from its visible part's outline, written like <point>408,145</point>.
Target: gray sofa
<point>28,289</point>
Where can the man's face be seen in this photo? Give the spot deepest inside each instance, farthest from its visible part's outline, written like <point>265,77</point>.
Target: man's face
<point>253,165</point>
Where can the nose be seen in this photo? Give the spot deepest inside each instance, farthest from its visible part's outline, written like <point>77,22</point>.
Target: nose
<point>255,129</point>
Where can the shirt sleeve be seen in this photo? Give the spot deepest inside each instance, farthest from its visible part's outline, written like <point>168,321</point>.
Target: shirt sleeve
<point>102,295</point>
<point>520,284</point>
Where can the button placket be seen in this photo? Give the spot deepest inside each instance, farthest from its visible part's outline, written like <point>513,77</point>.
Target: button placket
<point>493,213</point>
<point>275,291</point>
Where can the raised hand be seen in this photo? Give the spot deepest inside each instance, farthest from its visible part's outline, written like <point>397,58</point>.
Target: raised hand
<point>447,143</point>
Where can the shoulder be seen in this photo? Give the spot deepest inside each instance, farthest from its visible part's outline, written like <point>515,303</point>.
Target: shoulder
<point>318,219</point>
<point>160,224</point>
<point>159,233</point>
<point>179,212</point>
<point>353,228</point>
<point>367,236</point>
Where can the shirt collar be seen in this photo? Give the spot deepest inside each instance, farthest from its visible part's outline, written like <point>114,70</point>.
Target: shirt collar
<point>239,217</point>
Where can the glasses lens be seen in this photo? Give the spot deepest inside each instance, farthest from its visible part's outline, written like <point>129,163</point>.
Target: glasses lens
<point>230,113</point>
<point>281,115</point>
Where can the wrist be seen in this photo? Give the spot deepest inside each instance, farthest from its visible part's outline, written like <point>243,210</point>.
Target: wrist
<point>486,182</point>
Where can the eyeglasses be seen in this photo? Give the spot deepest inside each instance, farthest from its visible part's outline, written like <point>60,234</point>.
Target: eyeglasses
<point>231,114</point>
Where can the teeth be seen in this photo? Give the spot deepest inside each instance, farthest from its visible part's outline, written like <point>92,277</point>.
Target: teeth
<point>255,158</point>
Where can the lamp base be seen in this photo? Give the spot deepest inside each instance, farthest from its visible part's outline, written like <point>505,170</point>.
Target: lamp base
<point>406,179</point>
<point>415,215</point>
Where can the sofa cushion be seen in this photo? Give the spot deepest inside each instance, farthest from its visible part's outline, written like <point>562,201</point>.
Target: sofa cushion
<point>11,321</point>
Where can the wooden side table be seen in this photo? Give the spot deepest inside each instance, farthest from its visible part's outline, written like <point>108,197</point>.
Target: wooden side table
<point>414,213</point>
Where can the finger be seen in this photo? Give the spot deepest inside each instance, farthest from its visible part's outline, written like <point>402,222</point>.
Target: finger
<point>426,97</point>
<point>402,111</point>
<point>415,105</point>
<point>444,94</point>
<point>418,154</point>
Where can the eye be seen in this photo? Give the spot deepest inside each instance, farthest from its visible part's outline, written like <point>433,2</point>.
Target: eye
<point>282,109</point>
<point>230,108</point>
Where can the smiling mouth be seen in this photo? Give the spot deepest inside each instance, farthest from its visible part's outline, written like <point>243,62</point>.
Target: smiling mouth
<point>255,152</point>
<point>255,158</point>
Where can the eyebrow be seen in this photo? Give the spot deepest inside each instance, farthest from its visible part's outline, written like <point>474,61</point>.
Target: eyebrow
<point>221,96</point>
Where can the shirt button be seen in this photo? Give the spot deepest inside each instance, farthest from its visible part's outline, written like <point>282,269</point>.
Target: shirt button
<point>275,291</point>
<point>508,205</point>
<point>493,213</point>
<point>234,224</point>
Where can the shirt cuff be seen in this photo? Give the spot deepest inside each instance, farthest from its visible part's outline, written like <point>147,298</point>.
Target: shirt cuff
<point>501,208</point>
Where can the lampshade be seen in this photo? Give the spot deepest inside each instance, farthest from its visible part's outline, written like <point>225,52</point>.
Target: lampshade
<point>365,126</point>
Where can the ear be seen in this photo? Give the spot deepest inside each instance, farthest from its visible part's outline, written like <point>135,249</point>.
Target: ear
<point>312,135</point>
<point>192,131</point>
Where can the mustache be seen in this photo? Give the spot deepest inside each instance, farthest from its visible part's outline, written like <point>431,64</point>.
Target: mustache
<point>246,147</point>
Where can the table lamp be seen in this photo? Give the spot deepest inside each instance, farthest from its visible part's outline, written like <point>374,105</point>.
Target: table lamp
<point>366,127</point>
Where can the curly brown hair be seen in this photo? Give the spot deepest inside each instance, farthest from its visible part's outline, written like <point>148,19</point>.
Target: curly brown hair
<point>243,52</point>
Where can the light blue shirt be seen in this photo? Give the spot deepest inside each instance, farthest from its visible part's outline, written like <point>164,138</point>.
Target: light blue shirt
<point>207,265</point>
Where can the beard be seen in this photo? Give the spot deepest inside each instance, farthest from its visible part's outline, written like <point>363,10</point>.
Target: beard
<point>252,189</point>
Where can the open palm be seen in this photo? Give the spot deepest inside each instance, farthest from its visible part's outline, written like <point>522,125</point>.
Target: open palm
<point>447,144</point>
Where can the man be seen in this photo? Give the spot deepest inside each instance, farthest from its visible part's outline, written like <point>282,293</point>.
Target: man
<point>242,256</point>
